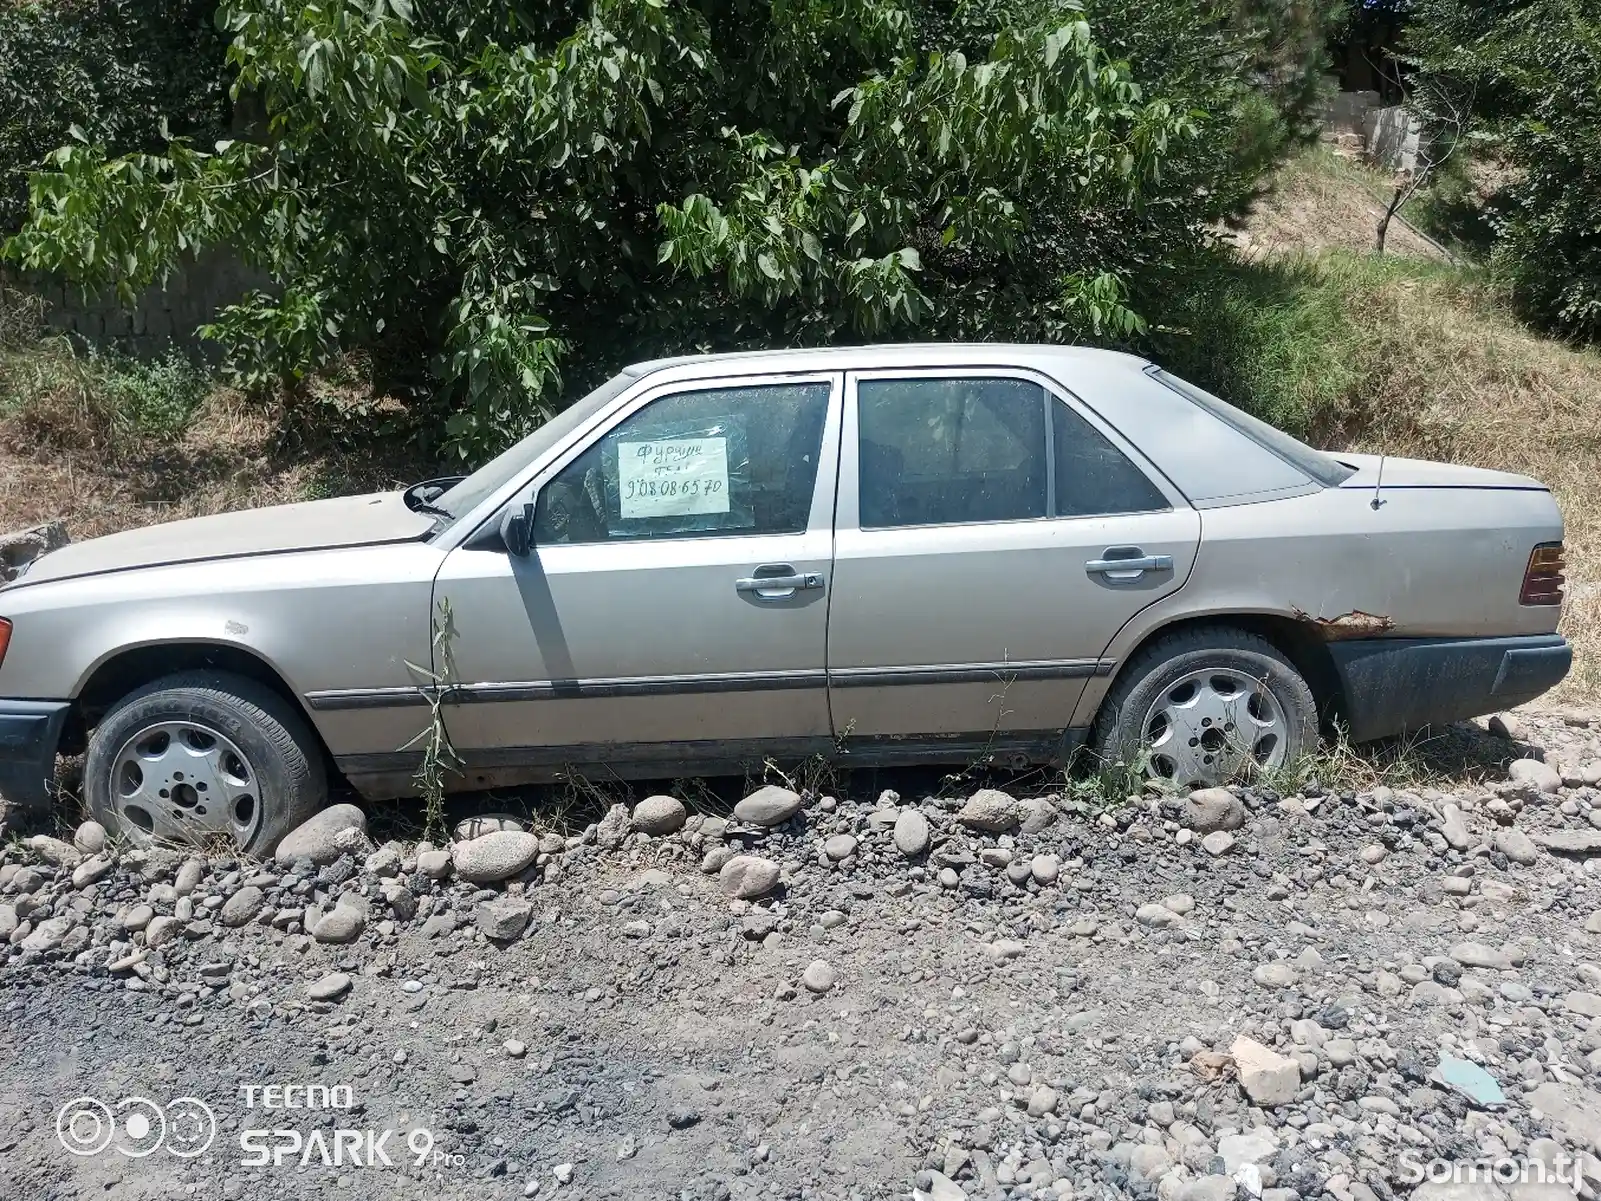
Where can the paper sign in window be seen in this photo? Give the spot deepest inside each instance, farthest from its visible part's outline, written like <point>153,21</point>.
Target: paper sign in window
<point>672,477</point>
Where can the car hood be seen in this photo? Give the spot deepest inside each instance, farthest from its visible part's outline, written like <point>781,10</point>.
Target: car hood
<point>314,525</point>
<point>1420,473</point>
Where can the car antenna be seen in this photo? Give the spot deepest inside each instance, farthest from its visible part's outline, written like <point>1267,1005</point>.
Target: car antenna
<point>1384,449</point>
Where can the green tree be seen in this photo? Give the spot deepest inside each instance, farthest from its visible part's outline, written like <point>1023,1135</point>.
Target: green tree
<point>1528,75</point>
<point>509,191</point>
<point>117,69</point>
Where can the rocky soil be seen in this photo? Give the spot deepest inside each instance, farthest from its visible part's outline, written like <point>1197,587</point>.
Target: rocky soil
<point>1233,995</point>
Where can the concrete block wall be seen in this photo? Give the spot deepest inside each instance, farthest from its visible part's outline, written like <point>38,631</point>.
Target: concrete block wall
<point>1393,136</point>
<point>161,316</point>
<point>1388,135</point>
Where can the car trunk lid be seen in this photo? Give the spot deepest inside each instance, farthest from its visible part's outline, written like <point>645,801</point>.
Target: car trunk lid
<point>1420,473</point>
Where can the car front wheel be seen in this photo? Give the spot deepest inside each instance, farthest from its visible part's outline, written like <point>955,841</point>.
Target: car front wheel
<point>1207,706</point>
<point>204,756</point>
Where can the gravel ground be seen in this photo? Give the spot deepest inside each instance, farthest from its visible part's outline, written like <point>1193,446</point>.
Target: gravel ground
<point>1215,998</point>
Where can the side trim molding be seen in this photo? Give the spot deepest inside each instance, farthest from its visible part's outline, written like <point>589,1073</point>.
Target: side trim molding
<point>690,685</point>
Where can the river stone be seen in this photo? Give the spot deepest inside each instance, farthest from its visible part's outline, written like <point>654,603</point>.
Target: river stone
<point>1037,815</point>
<point>343,923</point>
<point>494,857</point>
<point>1454,829</point>
<point>1516,846</point>
<point>991,810</point>
<point>53,850</point>
<point>331,987</point>
<point>1274,975</point>
<point>659,815</point>
<point>503,920</point>
<point>1535,774</point>
<point>317,838</point>
<point>162,930</point>
<point>243,906</point>
<point>1207,810</point>
<point>90,838</point>
<point>469,828</point>
<point>1476,954</point>
<point>434,864</point>
<point>91,871</point>
<point>1218,842</point>
<point>840,847</point>
<point>768,806</point>
<point>48,934</point>
<point>911,833</point>
<point>818,976</point>
<point>748,876</point>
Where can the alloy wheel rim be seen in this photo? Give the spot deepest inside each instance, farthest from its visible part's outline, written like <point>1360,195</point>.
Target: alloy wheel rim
<point>1213,725</point>
<point>184,781</point>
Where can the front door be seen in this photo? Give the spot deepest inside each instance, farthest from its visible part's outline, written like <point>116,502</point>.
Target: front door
<point>677,592</point>
<point>982,520</point>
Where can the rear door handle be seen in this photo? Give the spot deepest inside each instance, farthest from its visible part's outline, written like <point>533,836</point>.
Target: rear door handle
<point>1127,563</point>
<point>782,582</point>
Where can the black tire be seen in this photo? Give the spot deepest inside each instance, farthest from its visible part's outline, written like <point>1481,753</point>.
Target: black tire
<point>1120,726</point>
<point>283,757</point>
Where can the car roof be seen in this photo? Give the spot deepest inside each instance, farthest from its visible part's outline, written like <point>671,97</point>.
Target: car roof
<point>895,354</point>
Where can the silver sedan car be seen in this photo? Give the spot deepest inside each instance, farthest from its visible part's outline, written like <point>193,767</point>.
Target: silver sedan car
<point>885,554</point>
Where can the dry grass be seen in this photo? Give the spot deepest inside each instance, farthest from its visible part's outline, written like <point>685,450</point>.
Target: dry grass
<point>73,447</point>
<point>1322,201</point>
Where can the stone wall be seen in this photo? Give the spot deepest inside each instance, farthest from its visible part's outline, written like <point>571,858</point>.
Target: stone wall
<point>160,317</point>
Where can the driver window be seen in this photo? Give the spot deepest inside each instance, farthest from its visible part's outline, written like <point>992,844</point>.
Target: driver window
<point>694,464</point>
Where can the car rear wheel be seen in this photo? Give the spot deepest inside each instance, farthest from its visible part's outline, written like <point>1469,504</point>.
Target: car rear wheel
<point>203,757</point>
<point>1207,706</point>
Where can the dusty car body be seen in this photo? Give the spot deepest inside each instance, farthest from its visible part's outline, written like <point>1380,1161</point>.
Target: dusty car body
<point>881,554</point>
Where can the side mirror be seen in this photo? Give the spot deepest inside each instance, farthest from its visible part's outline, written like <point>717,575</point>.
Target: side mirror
<point>517,531</point>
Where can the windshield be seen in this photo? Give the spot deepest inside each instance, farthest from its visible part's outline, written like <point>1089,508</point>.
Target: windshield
<point>506,466</point>
<point>1313,463</point>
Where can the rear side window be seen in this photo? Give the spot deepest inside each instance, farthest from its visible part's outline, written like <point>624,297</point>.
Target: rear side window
<point>694,464</point>
<point>974,449</point>
<point>950,451</point>
<point>1093,477</point>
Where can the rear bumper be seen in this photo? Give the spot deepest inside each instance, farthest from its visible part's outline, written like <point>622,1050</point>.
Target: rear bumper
<point>1396,684</point>
<point>30,731</point>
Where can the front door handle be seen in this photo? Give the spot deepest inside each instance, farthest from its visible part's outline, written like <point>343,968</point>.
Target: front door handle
<point>778,581</point>
<point>1122,564</point>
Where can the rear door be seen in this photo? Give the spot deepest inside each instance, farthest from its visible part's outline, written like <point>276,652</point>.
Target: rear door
<point>991,537</point>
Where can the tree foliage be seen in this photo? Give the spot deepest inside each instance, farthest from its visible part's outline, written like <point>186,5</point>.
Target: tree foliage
<point>117,69</point>
<point>1528,75</point>
<point>512,190</point>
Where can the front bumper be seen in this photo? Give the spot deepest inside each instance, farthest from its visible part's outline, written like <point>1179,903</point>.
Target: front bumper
<point>1396,684</point>
<point>30,731</point>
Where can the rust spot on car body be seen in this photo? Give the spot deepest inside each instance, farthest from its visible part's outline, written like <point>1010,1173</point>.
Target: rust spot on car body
<point>1355,624</point>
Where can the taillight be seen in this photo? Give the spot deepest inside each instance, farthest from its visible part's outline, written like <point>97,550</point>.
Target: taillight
<point>1542,579</point>
<point>5,638</point>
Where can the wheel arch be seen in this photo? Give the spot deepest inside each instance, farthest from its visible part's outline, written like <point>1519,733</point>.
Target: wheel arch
<point>1307,653</point>
<point>133,667</point>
